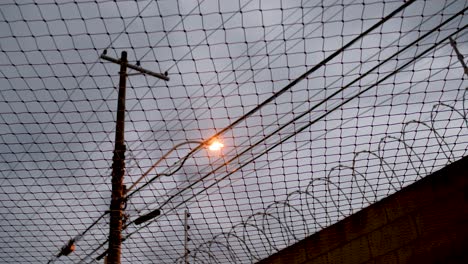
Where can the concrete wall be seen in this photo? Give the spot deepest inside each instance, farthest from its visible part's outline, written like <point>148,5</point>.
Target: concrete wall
<point>426,222</point>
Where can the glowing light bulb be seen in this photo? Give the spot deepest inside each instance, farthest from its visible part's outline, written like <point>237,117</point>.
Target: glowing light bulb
<point>216,145</point>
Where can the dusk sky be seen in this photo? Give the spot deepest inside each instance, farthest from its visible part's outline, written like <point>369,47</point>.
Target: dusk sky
<point>380,114</point>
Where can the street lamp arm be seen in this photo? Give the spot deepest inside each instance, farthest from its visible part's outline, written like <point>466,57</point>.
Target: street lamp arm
<point>200,144</point>
<point>181,164</point>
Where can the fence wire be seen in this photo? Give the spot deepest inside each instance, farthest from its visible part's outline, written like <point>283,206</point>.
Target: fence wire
<point>323,107</point>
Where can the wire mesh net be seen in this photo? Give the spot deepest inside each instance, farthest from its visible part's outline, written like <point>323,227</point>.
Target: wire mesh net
<point>323,108</point>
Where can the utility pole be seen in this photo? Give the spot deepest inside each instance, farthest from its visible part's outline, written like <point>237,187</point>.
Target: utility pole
<point>118,165</point>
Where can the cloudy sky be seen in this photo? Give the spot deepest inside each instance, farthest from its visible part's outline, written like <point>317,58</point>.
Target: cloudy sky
<point>298,156</point>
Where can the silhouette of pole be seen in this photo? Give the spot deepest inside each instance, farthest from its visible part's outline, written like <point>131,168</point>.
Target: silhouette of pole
<point>118,170</point>
<point>118,160</point>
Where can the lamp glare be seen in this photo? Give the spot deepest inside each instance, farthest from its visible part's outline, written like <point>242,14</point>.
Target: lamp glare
<point>216,145</point>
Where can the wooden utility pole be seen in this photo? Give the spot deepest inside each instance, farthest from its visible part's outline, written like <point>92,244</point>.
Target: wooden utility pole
<point>118,165</point>
<point>118,170</point>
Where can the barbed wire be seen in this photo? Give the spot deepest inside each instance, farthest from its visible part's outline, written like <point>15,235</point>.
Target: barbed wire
<point>388,184</point>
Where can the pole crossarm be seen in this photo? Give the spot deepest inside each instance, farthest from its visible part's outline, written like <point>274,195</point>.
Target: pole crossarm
<point>136,68</point>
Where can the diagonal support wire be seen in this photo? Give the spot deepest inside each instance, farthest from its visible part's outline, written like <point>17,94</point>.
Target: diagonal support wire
<point>460,57</point>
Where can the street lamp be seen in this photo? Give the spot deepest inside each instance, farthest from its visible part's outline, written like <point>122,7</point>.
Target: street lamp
<point>213,145</point>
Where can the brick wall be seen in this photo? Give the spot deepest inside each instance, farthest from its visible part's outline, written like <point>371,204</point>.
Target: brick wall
<point>426,222</point>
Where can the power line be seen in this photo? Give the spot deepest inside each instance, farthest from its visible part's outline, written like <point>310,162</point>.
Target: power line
<point>303,76</point>
<point>333,109</point>
<point>314,121</point>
